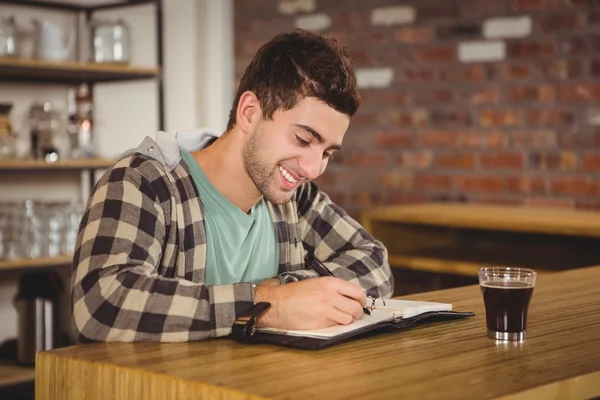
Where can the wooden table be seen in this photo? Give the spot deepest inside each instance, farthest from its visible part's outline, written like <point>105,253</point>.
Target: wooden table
<point>460,238</point>
<point>559,359</point>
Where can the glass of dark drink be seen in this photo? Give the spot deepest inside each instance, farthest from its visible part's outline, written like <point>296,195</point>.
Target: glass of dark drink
<point>506,295</point>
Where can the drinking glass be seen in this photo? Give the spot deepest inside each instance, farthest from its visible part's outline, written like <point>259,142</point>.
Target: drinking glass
<point>506,294</point>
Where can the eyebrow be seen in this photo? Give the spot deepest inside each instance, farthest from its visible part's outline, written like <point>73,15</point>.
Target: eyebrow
<point>317,136</point>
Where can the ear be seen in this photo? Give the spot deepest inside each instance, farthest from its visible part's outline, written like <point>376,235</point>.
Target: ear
<point>248,112</point>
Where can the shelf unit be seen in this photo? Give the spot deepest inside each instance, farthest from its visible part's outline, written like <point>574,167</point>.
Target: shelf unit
<point>11,374</point>
<point>19,70</point>
<point>34,263</point>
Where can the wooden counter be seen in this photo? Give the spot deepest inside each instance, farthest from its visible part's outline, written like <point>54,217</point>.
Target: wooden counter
<point>461,238</point>
<point>453,360</point>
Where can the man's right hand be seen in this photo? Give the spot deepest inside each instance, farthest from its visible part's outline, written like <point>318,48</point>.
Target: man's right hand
<point>311,304</point>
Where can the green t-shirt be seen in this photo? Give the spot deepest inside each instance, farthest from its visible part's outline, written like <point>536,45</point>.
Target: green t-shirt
<point>240,247</point>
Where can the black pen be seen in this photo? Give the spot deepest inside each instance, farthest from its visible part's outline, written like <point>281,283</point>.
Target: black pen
<point>322,270</point>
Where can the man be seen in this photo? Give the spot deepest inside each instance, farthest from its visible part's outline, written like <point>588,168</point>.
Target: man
<point>186,233</point>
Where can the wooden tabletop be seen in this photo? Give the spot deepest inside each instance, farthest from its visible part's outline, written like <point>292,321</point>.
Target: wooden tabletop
<point>509,218</point>
<point>559,359</point>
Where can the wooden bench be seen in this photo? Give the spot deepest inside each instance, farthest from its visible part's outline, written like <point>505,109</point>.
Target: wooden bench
<point>459,238</point>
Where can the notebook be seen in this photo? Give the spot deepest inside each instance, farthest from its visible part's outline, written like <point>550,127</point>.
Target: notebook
<point>393,310</point>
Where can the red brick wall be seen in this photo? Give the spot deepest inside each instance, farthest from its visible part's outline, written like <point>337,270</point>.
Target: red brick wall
<point>522,129</point>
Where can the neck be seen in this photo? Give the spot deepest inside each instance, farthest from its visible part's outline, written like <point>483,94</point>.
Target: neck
<point>223,164</point>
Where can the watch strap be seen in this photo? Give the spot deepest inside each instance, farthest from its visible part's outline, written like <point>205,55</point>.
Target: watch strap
<point>244,327</point>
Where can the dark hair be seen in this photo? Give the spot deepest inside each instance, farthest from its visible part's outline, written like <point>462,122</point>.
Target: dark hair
<point>296,65</point>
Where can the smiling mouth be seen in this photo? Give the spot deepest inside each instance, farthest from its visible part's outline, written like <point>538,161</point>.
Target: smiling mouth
<point>288,176</point>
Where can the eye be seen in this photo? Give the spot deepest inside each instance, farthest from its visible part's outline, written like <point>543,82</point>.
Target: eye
<point>327,156</point>
<point>302,142</point>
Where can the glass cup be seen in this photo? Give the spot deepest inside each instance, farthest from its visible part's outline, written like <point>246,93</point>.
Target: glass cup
<point>506,295</point>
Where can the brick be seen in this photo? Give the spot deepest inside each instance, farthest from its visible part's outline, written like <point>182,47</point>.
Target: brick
<point>563,21</point>
<point>534,5</point>
<point>563,161</point>
<point>481,51</point>
<point>394,139</point>
<point>433,182</point>
<point>572,46</point>
<point>540,94</point>
<point>531,49</point>
<point>579,92</point>
<point>459,31</point>
<point>592,116</point>
<point>498,199</point>
<point>438,138</point>
<point>379,97</point>
<point>415,74</point>
<point>594,41</point>
<point>435,96</point>
<point>581,3</point>
<point>507,27</point>
<point>502,160</point>
<point>441,10</point>
<point>393,15</point>
<point>412,35</point>
<point>361,57</point>
<point>351,20</point>
<point>463,73</point>
<point>455,160</point>
<point>367,39</point>
<point>436,54</point>
<point>369,159</point>
<point>489,95</point>
<point>396,179</point>
<point>454,118</point>
<point>416,118</point>
<point>591,161</point>
<point>562,69</point>
<point>548,202</point>
<point>364,119</point>
<point>594,17</point>
<point>576,139</point>
<point>406,198</point>
<point>488,118</point>
<point>492,140</point>
<point>489,184</point>
<point>366,199</point>
<point>417,159</point>
<point>313,22</point>
<point>290,7</point>
<point>535,184</point>
<point>512,71</point>
<point>550,117</point>
<point>477,9</point>
<point>368,78</point>
<point>534,139</point>
<point>574,186</point>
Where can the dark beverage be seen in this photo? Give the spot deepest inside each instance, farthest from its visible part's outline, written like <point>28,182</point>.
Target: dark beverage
<point>506,305</point>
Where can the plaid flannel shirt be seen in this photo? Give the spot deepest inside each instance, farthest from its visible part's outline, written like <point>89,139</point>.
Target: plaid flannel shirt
<point>140,257</point>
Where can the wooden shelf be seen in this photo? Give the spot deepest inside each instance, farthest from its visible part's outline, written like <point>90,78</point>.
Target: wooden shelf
<point>11,374</point>
<point>37,165</point>
<point>438,265</point>
<point>31,263</point>
<point>26,70</point>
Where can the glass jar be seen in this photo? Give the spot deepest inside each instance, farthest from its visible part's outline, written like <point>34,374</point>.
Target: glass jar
<point>44,126</point>
<point>7,139</point>
<point>110,41</point>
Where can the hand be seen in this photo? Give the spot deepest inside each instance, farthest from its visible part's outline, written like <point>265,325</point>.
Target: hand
<point>311,304</point>
<point>270,282</point>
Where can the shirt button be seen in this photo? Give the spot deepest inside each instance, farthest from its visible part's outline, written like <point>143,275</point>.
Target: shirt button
<point>151,149</point>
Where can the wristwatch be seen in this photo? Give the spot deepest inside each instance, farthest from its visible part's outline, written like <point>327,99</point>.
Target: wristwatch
<point>244,327</point>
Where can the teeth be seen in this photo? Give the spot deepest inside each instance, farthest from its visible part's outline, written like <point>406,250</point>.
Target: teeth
<point>287,175</point>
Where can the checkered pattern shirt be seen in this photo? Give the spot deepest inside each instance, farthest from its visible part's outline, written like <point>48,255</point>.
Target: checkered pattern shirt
<point>140,256</point>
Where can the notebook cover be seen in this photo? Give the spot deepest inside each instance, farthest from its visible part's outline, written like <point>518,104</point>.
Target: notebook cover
<point>306,343</point>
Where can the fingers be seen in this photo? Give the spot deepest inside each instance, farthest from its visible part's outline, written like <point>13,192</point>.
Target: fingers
<point>352,291</point>
<point>348,306</point>
<point>339,317</point>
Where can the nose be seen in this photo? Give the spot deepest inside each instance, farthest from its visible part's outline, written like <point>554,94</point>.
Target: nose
<point>312,163</point>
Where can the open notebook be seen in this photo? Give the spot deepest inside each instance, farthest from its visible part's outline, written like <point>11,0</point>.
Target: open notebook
<point>392,311</point>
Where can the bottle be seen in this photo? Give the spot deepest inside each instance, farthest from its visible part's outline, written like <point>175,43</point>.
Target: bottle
<point>84,123</point>
<point>7,140</point>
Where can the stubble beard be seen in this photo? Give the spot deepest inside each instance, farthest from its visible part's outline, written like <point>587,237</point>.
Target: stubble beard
<point>263,175</point>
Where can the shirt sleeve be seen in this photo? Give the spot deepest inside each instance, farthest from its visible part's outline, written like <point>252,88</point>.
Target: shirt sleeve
<point>120,289</point>
<point>329,234</point>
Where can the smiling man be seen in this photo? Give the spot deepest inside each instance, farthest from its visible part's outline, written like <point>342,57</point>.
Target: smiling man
<point>189,232</point>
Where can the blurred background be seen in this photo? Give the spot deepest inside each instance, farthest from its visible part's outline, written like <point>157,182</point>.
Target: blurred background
<point>469,102</point>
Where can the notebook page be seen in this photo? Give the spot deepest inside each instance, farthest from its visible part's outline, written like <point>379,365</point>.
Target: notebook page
<point>392,309</point>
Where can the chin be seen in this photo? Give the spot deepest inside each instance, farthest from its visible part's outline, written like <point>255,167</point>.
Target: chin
<point>278,197</point>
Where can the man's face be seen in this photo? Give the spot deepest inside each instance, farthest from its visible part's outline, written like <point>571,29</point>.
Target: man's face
<point>293,148</point>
